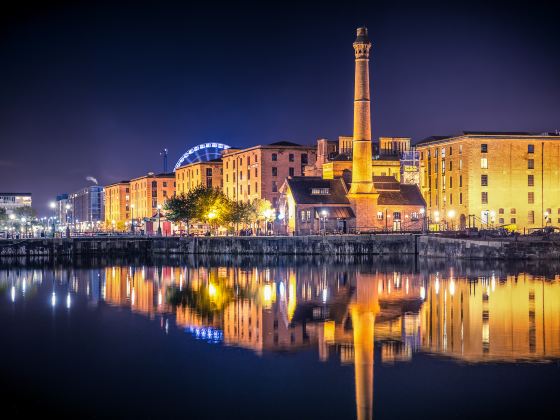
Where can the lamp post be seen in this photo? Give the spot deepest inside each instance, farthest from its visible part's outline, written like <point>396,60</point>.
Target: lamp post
<point>211,216</point>
<point>132,218</point>
<point>159,219</point>
<point>52,205</point>
<point>451,215</point>
<point>324,215</point>
<point>423,215</point>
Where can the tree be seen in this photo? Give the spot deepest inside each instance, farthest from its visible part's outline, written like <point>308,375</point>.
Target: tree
<point>25,211</point>
<point>180,209</point>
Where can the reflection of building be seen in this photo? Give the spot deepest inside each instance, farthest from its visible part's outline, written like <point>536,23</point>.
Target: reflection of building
<point>207,174</point>
<point>492,319</point>
<point>492,179</point>
<point>11,201</point>
<point>259,171</point>
<point>149,191</point>
<point>117,201</point>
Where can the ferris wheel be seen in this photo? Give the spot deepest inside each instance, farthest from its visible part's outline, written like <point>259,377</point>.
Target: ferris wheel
<point>202,153</point>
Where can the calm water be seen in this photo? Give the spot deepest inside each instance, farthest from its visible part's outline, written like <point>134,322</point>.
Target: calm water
<point>208,338</point>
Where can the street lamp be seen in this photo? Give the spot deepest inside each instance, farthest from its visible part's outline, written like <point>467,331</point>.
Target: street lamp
<point>268,214</point>
<point>451,215</point>
<point>24,220</point>
<point>324,215</point>
<point>52,205</point>
<point>159,219</point>
<point>132,218</point>
<point>423,215</point>
<point>211,216</point>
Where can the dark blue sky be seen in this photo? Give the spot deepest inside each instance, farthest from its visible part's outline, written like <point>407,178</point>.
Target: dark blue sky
<point>98,89</point>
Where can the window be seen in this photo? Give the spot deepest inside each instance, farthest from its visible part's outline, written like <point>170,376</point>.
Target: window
<point>450,198</point>
<point>248,174</point>
<point>154,184</point>
<point>513,211</point>
<point>208,182</point>
<point>450,166</point>
<point>450,151</point>
<point>483,148</point>
<point>531,148</point>
<point>484,180</point>
<point>304,159</point>
<point>531,217</point>
<point>460,180</point>
<point>531,180</point>
<point>274,171</point>
<point>291,171</point>
<point>531,198</point>
<point>256,172</point>
<point>379,215</point>
<point>460,164</point>
<point>501,220</point>
<point>483,163</point>
<point>443,166</point>
<point>248,189</point>
<point>274,186</point>
<point>450,182</point>
<point>484,197</point>
<point>460,198</point>
<point>460,149</point>
<point>291,157</point>
<point>531,163</point>
<point>208,172</point>
<point>274,157</point>
<point>397,215</point>
<point>512,220</point>
<point>248,160</point>
<point>501,211</point>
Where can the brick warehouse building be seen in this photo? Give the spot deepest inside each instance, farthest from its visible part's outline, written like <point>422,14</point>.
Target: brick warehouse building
<point>487,179</point>
<point>260,171</point>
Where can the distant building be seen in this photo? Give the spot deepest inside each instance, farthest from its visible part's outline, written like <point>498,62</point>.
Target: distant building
<point>149,191</point>
<point>64,209</point>
<point>117,205</point>
<point>87,205</point>
<point>11,201</point>
<point>260,171</point>
<point>208,174</point>
<point>487,179</point>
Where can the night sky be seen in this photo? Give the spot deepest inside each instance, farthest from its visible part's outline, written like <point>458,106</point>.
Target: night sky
<point>98,89</point>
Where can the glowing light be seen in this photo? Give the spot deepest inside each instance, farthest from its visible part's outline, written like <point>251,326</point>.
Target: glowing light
<point>451,214</point>
<point>437,285</point>
<point>53,299</point>
<point>13,293</point>
<point>422,292</point>
<point>325,295</point>
<point>68,301</point>
<point>282,290</point>
<point>212,290</point>
<point>160,298</point>
<point>267,293</point>
<point>452,287</point>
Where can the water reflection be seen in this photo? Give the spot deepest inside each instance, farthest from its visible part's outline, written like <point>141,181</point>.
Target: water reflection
<point>341,309</point>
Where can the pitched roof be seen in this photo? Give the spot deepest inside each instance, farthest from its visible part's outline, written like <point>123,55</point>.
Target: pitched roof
<point>285,143</point>
<point>394,193</point>
<point>302,186</point>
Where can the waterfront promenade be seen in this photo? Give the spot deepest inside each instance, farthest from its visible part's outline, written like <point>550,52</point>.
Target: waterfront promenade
<point>421,245</point>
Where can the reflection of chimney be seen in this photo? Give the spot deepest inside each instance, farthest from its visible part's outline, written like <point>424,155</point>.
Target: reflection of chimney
<point>363,312</point>
<point>361,145</point>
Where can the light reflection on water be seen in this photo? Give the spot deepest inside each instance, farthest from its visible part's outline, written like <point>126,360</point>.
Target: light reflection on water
<point>468,312</point>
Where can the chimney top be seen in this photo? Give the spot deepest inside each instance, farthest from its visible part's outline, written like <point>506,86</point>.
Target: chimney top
<point>362,35</point>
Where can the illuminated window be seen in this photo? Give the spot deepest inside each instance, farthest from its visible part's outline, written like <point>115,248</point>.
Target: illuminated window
<point>320,191</point>
<point>484,163</point>
<point>460,149</point>
<point>379,215</point>
<point>531,197</point>
<point>513,211</point>
<point>460,164</point>
<point>484,197</point>
<point>531,163</point>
